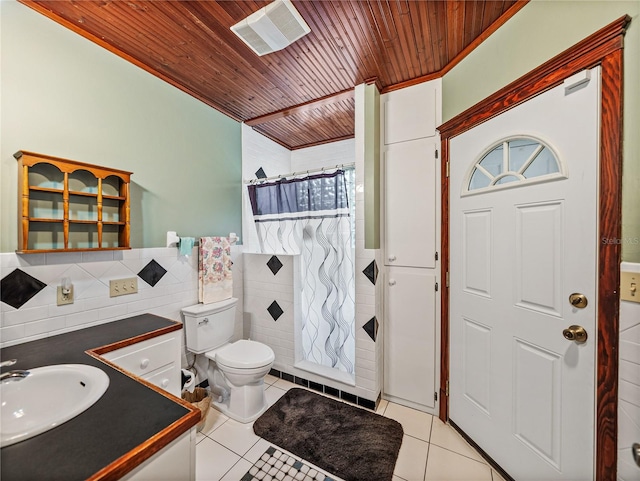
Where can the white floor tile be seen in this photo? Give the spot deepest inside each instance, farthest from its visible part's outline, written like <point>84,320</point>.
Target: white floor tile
<point>446,437</point>
<point>213,460</point>
<point>414,423</point>
<point>286,385</point>
<point>444,465</point>
<point>257,450</point>
<point>412,459</point>
<point>382,406</point>
<point>272,394</point>
<point>238,437</point>
<point>237,471</point>
<point>214,420</point>
<point>269,379</point>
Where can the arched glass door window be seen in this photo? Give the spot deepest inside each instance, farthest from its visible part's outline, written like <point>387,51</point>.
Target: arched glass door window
<point>513,161</point>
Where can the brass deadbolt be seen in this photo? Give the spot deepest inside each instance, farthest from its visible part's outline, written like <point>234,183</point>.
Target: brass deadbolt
<point>578,300</point>
<point>575,333</point>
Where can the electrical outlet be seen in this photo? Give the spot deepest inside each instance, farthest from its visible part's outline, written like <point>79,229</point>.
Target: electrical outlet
<point>64,299</point>
<point>121,287</point>
<point>630,286</point>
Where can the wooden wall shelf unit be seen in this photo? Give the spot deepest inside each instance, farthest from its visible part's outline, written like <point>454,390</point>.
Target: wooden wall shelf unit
<point>64,205</point>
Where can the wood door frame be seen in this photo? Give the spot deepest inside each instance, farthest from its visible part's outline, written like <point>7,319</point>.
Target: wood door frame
<point>603,48</point>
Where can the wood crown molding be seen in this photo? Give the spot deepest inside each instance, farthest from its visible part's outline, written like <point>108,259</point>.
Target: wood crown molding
<point>296,109</point>
<point>585,54</point>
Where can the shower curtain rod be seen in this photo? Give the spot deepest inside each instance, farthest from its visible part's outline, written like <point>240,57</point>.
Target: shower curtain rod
<point>293,174</point>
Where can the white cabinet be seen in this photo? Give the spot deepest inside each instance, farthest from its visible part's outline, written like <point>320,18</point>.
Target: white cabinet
<point>410,145</point>
<point>411,113</point>
<point>176,461</point>
<point>156,360</point>
<point>410,337</point>
<point>410,203</point>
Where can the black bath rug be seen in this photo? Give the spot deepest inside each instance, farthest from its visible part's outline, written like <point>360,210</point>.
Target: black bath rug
<point>344,440</point>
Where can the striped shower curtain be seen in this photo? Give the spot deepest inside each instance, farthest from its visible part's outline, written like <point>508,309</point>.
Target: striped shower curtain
<point>311,217</point>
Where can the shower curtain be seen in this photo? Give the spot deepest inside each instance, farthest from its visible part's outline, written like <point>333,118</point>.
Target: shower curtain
<point>310,216</point>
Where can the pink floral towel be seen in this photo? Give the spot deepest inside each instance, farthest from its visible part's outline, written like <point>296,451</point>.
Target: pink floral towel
<point>215,282</point>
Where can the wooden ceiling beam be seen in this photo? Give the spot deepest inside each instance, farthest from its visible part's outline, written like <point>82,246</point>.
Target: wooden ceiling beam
<point>312,104</point>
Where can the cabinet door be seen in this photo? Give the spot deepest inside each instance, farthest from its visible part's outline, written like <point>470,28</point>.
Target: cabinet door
<point>411,113</point>
<point>156,359</point>
<point>409,337</point>
<point>410,203</point>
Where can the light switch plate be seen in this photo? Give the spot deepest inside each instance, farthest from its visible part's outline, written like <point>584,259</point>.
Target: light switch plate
<point>121,287</point>
<point>630,286</point>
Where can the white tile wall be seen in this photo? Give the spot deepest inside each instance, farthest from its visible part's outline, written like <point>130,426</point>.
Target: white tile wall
<point>90,273</point>
<point>262,287</point>
<point>629,385</point>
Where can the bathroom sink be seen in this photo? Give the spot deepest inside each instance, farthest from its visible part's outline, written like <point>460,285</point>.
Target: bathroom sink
<point>47,397</point>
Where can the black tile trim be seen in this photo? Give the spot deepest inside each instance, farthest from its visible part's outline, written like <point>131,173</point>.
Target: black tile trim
<point>347,396</point>
<point>331,391</point>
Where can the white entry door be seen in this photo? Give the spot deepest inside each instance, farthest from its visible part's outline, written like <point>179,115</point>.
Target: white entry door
<point>523,237</point>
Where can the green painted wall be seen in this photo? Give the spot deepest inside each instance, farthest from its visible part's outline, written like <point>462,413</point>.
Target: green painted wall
<point>62,95</point>
<point>541,30</point>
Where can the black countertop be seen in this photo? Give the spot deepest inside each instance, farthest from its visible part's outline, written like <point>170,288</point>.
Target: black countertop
<point>127,415</point>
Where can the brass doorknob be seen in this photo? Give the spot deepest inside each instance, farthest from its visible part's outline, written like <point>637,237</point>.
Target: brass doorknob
<point>575,333</point>
<point>578,300</point>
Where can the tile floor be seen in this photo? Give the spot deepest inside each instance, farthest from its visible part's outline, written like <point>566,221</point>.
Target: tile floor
<point>431,450</point>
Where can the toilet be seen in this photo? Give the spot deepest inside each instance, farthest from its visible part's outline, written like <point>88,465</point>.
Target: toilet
<point>235,370</point>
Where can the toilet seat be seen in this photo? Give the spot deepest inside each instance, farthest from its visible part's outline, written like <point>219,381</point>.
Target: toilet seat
<point>245,354</point>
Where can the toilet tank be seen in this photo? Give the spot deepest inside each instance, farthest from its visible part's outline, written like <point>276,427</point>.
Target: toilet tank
<point>209,326</point>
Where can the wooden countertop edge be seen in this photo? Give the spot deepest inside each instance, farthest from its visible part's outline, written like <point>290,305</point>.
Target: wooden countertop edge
<point>134,340</point>
<point>144,451</point>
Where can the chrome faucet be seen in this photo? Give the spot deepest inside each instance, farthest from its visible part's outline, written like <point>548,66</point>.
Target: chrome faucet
<point>8,362</point>
<point>16,375</point>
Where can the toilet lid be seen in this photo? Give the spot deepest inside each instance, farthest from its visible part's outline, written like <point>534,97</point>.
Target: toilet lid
<point>245,354</point>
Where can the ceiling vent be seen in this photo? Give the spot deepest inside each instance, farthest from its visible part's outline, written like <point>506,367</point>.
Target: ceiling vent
<point>272,27</point>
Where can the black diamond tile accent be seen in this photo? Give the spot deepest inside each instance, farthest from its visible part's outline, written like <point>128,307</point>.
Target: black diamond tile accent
<point>371,328</point>
<point>152,273</point>
<point>260,174</point>
<point>275,310</point>
<point>274,265</point>
<point>271,450</point>
<point>18,287</point>
<point>371,271</point>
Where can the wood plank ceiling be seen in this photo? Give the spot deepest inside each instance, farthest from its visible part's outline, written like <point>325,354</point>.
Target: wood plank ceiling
<point>302,95</point>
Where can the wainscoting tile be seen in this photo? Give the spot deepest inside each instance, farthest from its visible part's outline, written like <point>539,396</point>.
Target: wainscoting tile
<point>274,265</point>
<point>275,310</point>
<point>152,273</point>
<point>17,287</point>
